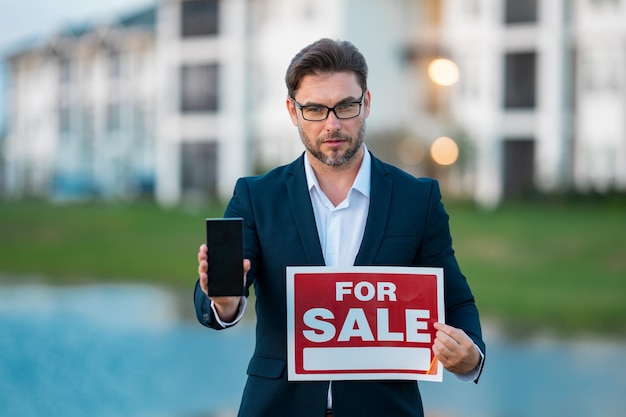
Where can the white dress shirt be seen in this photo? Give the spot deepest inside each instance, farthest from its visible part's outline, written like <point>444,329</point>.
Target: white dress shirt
<point>340,228</point>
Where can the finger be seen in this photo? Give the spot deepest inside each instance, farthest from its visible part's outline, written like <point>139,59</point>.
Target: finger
<point>443,358</point>
<point>445,340</point>
<point>204,283</point>
<point>202,252</point>
<point>440,349</point>
<point>454,334</point>
<point>448,350</point>
<point>446,328</point>
<point>203,267</point>
<point>246,267</point>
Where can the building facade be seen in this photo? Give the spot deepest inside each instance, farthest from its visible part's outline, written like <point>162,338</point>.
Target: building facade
<point>178,101</point>
<point>81,112</point>
<point>202,123</point>
<point>222,108</point>
<point>542,93</point>
<point>208,100</point>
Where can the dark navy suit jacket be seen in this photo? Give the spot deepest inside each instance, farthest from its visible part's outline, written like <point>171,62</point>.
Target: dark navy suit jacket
<point>406,226</point>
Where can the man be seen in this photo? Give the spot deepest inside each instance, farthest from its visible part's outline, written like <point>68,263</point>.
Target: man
<point>336,205</point>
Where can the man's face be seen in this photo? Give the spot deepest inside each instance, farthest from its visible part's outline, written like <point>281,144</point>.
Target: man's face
<point>332,141</point>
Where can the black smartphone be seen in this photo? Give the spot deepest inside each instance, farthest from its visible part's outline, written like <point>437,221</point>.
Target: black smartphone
<point>224,237</point>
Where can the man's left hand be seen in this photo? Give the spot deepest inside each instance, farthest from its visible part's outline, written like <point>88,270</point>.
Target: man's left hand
<point>455,349</point>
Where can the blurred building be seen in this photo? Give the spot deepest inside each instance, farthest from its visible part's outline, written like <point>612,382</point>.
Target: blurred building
<point>542,93</point>
<point>184,102</point>
<point>180,100</point>
<point>202,127</point>
<point>222,92</point>
<point>81,112</point>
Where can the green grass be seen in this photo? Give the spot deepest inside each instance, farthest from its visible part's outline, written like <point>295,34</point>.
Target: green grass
<point>90,242</point>
<point>561,267</point>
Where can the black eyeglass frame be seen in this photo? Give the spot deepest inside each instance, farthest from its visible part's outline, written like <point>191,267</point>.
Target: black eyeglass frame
<point>329,109</point>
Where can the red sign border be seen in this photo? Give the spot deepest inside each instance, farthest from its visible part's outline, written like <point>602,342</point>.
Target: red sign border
<point>434,374</point>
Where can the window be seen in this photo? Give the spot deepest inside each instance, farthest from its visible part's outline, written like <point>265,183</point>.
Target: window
<point>199,168</point>
<point>520,11</point>
<point>199,18</point>
<point>65,71</point>
<point>64,120</point>
<point>113,117</point>
<point>198,88</point>
<point>519,80</point>
<point>140,122</point>
<point>519,168</point>
<point>87,129</point>
<point>115,65</point>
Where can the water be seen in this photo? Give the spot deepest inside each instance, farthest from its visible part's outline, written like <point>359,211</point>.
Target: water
<point>135,351</point>
<point>540,377</point>
<point>113,351</point>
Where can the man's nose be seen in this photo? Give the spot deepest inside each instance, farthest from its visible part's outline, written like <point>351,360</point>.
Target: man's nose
<point>332,122</point>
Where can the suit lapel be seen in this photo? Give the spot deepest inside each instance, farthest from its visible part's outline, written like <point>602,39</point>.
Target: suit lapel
<point>380,200</point>
<point>302,209</point>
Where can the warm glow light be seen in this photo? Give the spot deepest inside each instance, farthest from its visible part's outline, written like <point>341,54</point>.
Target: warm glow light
<point>443,72</point>
<point>444,151</point>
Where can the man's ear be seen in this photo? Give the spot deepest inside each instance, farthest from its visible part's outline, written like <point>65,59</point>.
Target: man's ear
<point>367,99</point>
<point>291,108</point>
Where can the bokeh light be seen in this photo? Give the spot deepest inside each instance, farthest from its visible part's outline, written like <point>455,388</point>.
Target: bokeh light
<point>443,72</point>
<point>444,151</point>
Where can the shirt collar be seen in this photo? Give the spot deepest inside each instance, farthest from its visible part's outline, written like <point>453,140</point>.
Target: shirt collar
<point>362,182</point>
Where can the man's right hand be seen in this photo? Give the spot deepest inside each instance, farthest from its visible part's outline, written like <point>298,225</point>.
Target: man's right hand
<point>227,307</point>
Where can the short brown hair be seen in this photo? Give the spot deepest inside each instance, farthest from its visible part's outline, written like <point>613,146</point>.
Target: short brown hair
<point>323,57</point>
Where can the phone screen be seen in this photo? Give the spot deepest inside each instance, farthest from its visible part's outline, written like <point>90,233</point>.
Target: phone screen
<point>224,238</point>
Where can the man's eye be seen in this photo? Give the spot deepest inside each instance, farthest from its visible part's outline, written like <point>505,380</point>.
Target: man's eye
<point>346,106</point>
<point>314,109</point>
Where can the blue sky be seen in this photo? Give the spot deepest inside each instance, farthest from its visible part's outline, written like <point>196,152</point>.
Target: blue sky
<point>21,20</point>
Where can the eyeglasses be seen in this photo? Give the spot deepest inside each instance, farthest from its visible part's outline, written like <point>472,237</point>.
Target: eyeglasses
<point>317,112</point>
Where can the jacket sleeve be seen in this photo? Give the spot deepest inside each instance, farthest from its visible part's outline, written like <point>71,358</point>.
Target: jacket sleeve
<point>461,311</point>
<point>204,312</point>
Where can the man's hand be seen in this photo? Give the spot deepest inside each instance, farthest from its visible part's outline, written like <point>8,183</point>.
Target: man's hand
<point>455,349</point>
<point>227,307</point>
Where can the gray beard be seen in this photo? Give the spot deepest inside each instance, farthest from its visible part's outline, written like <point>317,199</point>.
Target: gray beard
<point>333,160</point>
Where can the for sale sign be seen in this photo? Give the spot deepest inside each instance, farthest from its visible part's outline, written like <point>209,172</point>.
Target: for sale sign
<point>363,322</point>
